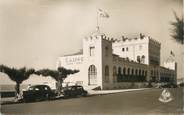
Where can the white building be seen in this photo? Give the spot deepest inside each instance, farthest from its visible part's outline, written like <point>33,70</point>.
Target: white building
<point>110,64</point>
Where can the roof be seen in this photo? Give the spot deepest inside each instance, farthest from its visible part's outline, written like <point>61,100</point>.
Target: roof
<point>76,53</point>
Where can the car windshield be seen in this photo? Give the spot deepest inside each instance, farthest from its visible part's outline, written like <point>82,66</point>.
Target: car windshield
<point>79,87</point>
<point>73,87</point>
<point>37,88</point>
<point>31,88</point>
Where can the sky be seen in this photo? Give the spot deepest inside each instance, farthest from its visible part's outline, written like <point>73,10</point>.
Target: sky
<point>34,33</point>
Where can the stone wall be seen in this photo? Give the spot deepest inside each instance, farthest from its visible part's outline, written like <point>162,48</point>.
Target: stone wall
<point>126,85</point>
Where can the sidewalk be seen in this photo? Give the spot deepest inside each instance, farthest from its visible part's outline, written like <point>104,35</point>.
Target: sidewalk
<point>103,92</point>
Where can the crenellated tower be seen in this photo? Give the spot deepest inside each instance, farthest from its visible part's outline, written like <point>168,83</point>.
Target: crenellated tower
<point>142,50</point>
<point>97,52</point>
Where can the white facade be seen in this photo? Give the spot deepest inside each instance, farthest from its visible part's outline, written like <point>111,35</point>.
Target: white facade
<point>109,64</point>
<point>142,50</point>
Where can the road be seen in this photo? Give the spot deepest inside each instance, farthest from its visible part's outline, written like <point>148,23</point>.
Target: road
<point>125,103</point>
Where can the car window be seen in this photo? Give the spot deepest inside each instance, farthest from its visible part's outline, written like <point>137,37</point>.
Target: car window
<point>79,88</point>
<point>37,89</point>
<point>73,88</point>
<point>69,88</point>
<point>30,88</point>
<point>46,88</point>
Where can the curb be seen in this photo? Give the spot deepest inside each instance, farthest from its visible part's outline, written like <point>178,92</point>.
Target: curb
<point>113,92</point>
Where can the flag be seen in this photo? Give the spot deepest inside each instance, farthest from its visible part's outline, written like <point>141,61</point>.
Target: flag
<point>172,53</point>
<point>103,14</point>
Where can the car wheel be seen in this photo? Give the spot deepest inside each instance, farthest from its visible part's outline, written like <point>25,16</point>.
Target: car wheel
<point>84,94</point>
<point>25,100</point>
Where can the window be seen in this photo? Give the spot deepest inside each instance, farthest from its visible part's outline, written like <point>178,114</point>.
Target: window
<point>132,71</point>
<point>140,72</point>
<point>136,72</point>
<point>114,71</point>
<point>45,88</point>
<point>31,88</point>
<point>119,71</point>
<point>37,89</point>
<point>92,74</point>
<point>106,73</point>
<point>106,51</point>
<point>123,49</point>
<point>92,51</point>
<point>126,48</point>
<point>124,71</point>
<point>138,59</point>
<point>114,74</point>
<point>128,71</point>
<point>143,59</point>
<point>106,70</point>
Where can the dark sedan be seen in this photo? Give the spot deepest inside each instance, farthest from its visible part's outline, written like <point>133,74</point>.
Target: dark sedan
<point>38,92</point>
<point>169,86</point>
<point>72,91</point>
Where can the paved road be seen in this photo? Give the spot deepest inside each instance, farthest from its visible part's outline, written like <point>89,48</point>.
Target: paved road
<point>126,103</point>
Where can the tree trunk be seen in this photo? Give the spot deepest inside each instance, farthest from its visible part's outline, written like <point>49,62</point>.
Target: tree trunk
<point>59,86</point>
<point>17,89</point>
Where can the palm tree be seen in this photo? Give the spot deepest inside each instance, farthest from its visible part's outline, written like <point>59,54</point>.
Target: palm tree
<point>17,75</point>
<point>178,29</point>
<point>59,75</point>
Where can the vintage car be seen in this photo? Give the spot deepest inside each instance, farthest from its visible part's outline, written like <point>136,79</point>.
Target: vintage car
<point>72,91</point>
<point>38,92</point>
<point>166,85</point>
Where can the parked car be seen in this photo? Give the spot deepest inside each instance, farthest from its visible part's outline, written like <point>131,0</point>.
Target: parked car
<point>38,92</point>
<point>169,86</point>
<point>181,85</point>
<point>72,91</point>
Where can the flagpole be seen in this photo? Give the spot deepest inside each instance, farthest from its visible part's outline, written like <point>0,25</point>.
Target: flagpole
<point>97,18</point>
<point>97,23</point>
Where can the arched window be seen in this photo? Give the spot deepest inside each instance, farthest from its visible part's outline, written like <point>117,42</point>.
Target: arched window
<point>142,72</point>
<point>132,71</point>
<point>126,48</point>
<point>114,74</point>
<point>106,51</point>
<point>106,73</point>
<point>143,59</point>
<point>119,70</point>
<point>123,49</point>
<point>138,59</point>
<point>136,72</point>
<point>128,71</point>
<point>124,71</point>
<point>92,75</point>
<point>139,72</point>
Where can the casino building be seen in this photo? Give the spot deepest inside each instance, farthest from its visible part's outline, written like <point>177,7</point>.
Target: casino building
<point>107,63</point>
